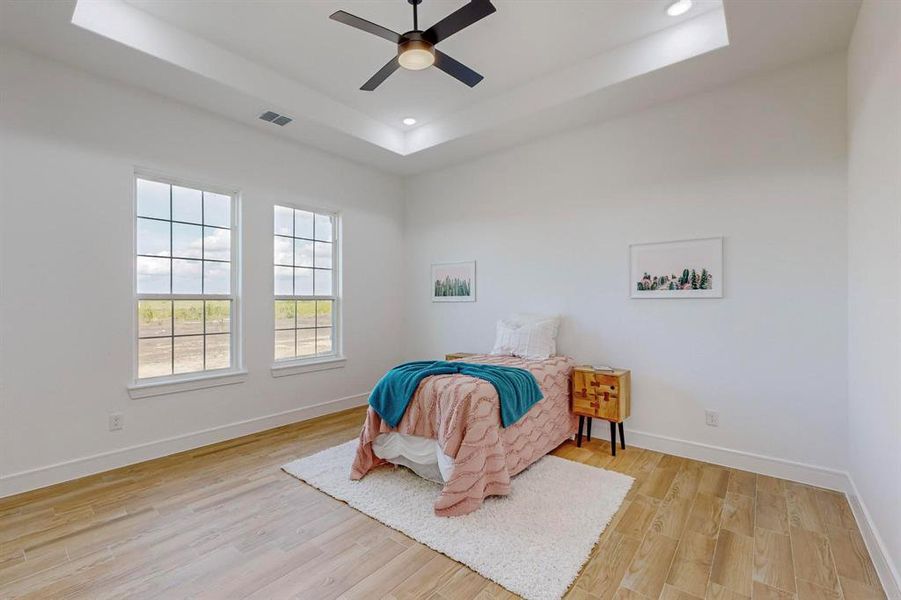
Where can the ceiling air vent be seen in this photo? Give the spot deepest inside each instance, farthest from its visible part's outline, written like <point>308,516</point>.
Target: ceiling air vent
<point>274,117</point>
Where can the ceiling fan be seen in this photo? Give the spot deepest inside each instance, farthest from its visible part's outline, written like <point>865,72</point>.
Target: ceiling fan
<point>416,49</point>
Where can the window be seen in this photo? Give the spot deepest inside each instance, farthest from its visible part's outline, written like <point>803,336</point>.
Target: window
<point>185,280</point>
<point>306,277</point>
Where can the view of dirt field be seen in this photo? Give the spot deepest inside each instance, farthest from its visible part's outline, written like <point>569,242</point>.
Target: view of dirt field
<point>172,335</point>
<point>302,328</point>
<point>175,335</point>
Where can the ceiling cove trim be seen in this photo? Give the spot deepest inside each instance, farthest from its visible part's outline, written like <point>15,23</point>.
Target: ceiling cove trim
<point>690,38</point>
<point>132,27</point>
<point>136,29</point>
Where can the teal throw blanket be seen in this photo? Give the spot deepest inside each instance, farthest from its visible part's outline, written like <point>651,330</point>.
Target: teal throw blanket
<point>516,388</point>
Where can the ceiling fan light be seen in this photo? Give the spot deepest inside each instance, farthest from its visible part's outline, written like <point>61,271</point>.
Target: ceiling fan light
<point>416,55</point>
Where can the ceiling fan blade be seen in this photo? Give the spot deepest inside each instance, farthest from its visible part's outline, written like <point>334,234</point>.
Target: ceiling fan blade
<point>460,19</point>
<point>456,69</point>
<point>376,80</point>
<point>367,26</point>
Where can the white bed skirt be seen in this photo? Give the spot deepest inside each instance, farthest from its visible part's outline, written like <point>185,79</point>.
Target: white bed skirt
<point>421,455</point>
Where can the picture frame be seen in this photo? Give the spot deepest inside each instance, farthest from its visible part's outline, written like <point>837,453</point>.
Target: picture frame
<point>691,268</point>
<point>454,282</point>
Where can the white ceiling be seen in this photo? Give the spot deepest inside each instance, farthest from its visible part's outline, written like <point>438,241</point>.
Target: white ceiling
<point>548,64</point>
<point>522,41</point>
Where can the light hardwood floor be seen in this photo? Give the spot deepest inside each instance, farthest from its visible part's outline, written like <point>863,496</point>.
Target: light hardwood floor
<point>224,521</point>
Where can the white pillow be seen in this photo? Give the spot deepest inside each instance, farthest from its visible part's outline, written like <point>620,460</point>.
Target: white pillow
<point>534,340</point>
<point>532,318</point>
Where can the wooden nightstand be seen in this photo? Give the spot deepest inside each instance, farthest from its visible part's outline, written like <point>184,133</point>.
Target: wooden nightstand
<point>603,395</point>
<point>458,355</point>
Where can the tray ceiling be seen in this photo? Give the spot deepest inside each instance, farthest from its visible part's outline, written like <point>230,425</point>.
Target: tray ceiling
<point>522,41</point>
<point>548,64</point>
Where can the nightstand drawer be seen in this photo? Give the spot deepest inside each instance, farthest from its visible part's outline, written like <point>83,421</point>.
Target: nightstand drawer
<point>582,383</point>
<point>604,406</point>
<point>595,384</point>
<point>608,407</point>
<point>584,405</point>
<point>604,383</point>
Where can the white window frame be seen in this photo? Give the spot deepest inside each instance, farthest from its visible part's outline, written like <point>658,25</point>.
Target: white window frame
<point>236,373</point>
<point>336,360</point>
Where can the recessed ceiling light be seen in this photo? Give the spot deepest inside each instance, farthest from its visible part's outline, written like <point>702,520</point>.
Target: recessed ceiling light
<point>679,7</point>
<point>409,121</point>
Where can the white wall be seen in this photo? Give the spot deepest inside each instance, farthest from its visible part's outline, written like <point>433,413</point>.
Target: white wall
<point>874,269</point>
<point>763,163</point>
<point>802,357</point>
<point>69,144</point>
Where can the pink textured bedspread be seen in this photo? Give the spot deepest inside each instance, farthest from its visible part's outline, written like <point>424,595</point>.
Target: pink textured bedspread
<point>463,414</point>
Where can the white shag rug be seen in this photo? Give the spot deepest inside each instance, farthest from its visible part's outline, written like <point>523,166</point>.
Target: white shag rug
<point>532,542</point>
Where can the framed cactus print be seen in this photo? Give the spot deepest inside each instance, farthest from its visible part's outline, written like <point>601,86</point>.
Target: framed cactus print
<point>679,269</point>
<point>454,282</point>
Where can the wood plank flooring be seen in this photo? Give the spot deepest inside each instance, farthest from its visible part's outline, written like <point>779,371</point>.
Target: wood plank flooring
<point>225,522</point>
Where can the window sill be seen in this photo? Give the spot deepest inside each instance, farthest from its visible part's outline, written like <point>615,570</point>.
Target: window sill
<point>187,384</point>
<point>308,366</point>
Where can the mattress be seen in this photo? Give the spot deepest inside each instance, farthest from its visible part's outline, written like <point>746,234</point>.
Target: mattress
<point>421,455</point>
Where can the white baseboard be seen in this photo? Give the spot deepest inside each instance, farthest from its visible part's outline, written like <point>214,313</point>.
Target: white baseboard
<point>23,481</point>
<point>887,571</point>
<point>738,459</point>
<point>785,469</point>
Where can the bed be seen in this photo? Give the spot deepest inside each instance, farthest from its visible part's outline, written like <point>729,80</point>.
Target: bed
<point>451,433</point>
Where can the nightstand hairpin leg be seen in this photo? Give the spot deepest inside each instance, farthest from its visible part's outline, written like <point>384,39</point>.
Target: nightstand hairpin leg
<point>622,436</point>
<point>579,435</point>
<point>589,427</point>
<point>613,438</point>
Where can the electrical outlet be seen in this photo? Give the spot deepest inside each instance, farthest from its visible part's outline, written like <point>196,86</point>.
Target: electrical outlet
<point>116,421</point>
<point>713,418</point>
